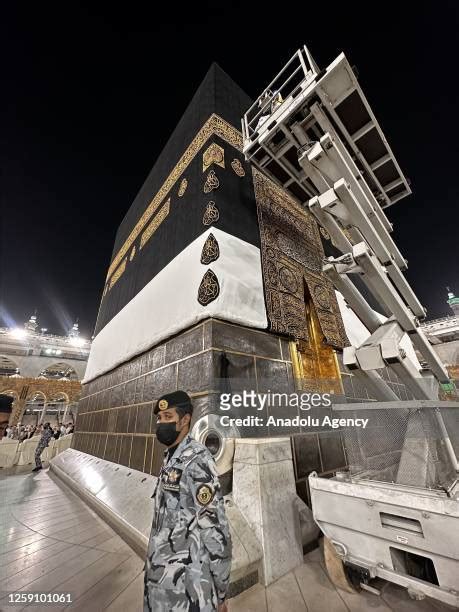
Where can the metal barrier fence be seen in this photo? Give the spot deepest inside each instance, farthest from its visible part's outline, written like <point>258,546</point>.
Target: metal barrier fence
<point>414,446</point>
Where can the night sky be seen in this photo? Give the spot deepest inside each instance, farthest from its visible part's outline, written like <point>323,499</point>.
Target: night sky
<point>89,98</point>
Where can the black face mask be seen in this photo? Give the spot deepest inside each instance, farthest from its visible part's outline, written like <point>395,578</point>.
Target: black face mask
<point>167,433</point>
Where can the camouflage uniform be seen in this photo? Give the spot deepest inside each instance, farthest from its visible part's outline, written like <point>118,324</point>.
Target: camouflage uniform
<point>42,444</point>
<point>189,553</point>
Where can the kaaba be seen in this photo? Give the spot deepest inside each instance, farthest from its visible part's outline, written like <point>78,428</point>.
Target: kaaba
<point>216,282</point>
<point>213,264</point>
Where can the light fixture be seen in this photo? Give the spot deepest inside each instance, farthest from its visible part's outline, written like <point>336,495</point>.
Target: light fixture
<point>77,341</point>
<point>48,351</point>
<point>58,352</point>
<point>19,333</point>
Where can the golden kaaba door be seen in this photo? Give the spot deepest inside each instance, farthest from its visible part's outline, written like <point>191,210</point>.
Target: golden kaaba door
<point>315,363</point>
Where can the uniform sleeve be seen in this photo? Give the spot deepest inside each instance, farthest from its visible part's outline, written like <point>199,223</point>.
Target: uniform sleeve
<point>211,519</point>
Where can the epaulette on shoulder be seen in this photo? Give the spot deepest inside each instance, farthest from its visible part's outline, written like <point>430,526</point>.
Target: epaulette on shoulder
<point>193,450</point>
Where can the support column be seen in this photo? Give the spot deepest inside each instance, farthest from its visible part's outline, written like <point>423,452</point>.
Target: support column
<point>264,491</point>
<point>17,411</point>
<point>43,413</point>
<point>66,411</point>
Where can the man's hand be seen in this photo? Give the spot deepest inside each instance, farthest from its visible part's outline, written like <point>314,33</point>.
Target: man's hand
<point>223,607</point>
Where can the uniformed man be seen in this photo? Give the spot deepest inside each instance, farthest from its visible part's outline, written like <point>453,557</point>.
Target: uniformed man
<point>189,553</point>
<point>42,444</point>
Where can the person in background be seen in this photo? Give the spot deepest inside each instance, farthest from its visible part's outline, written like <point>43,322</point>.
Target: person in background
<point>42,444</point>
<point>69,429</point>
<point>63,429</point>
<point>56,433</point>
<point>268,104</point>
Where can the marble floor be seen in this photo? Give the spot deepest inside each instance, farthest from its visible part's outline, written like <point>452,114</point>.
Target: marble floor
<point>51,542</point>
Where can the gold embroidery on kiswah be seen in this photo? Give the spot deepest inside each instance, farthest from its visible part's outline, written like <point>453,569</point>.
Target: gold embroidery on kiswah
<point>214,126</point>
<point>151,229</point>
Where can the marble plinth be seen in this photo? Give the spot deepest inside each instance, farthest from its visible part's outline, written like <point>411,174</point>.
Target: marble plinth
<point>264,491</point>
<point>122,496</point>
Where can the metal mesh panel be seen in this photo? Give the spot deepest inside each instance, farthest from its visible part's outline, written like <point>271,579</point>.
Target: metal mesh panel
<point>451,420</point>
<point>401,446</point>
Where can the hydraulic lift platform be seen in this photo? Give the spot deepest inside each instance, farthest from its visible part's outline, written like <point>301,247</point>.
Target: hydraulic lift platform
<point>394,513</point>
<point>340,107</point>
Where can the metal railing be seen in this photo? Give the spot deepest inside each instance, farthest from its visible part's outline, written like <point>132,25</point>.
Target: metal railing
<point>450,320</point>
<point>299,71</point>
<point>38,339</point>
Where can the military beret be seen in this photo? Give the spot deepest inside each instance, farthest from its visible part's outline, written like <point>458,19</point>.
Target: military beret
<point>176,399</point>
